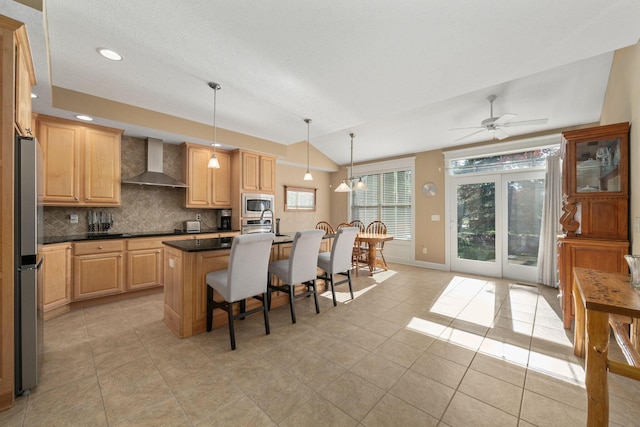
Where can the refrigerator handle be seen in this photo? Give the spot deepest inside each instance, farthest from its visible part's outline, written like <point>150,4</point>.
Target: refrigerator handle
<point>32,267</point>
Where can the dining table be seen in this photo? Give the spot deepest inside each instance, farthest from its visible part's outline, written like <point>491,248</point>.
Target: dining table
<point>597,296</point>
<point>372,240</point>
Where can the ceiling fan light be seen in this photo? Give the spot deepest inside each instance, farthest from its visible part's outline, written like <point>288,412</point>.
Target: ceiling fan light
<point>343,187</point>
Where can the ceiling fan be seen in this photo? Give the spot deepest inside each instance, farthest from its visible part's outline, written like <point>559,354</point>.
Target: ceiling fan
<point>494,125</point>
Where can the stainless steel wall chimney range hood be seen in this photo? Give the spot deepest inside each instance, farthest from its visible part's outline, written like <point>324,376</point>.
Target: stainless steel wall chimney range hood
<point>154,175</point>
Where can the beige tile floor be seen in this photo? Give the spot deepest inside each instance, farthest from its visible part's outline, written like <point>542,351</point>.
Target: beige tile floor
<point>416,347</point>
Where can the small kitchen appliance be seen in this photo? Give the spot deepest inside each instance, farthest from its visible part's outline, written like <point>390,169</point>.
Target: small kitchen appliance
<point>225,219</point>
<point>192,226</point>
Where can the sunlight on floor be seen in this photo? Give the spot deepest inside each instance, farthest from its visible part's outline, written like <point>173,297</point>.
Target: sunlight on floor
<point>345,297</point>
<point>518,319</point>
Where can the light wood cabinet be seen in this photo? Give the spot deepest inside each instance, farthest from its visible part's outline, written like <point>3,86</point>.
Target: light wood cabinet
<point>98,269</point>
<point>144,263</point>
<point>595,205</point>
<point>208,188</point>
<point>81,163</point>
<point>258,172</point>
<point>56,276</point>
<point>25,80</point>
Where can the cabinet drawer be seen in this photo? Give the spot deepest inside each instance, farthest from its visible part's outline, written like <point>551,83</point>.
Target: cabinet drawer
<point>97,247</point>
<point>141,244</point>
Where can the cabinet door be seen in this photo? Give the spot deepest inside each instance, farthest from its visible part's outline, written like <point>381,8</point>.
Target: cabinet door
<point>24,82</point>
<point>222,182</point>
<point>97,275</point>
<point>60,145</point>
<point>250,171</point>
<point>101,168</point>
<point>198,194</point>
<point>144,269</point>
<point>267,174</point>
<point>56,276</point>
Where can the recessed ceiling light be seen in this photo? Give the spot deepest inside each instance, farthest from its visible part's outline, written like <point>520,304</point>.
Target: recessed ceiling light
<point>33,96</point>
<point>83,117</point>
<point>109,54</point>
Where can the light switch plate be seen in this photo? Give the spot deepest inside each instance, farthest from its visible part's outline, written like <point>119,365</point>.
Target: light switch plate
<point>435,217</point>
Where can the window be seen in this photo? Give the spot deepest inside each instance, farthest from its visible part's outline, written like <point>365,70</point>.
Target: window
<point>388,198</point>
<point>298,199</point>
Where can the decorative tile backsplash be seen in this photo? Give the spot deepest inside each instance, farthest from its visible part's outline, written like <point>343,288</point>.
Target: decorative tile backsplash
<point>144,208</point>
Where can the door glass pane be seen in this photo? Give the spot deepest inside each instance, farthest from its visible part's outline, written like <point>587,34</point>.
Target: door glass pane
<point>524,200</point>
<point>477,221</point>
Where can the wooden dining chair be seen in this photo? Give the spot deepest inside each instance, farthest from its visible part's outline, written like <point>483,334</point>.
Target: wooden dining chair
<point>324,225</point>
<point>378,227</point>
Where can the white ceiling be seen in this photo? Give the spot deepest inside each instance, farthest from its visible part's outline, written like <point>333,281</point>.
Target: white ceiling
<point>398,74</point>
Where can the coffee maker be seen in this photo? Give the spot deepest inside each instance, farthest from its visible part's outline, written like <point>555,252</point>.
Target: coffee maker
<point>225,219</point>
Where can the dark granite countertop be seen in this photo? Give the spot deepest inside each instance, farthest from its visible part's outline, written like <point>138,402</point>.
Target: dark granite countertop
<point>98,236</point>
<point>199,245</point>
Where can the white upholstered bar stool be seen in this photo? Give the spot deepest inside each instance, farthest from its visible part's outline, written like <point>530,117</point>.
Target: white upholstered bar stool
<point>245,278</point>
<point>338,261</point>
<point>300,268</point>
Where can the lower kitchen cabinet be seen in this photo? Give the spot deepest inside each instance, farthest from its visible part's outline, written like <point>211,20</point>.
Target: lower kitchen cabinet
<point>56,278</point>
<point>144,263</point>
<point>98,269</point>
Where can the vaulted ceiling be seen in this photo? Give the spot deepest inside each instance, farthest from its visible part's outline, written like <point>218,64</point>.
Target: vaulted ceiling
<point>398,74</point>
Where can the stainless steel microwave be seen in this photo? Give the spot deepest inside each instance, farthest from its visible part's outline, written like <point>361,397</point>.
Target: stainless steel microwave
<point>253,204</point>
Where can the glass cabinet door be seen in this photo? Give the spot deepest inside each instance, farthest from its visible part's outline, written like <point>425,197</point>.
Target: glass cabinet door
<point>598,166</point>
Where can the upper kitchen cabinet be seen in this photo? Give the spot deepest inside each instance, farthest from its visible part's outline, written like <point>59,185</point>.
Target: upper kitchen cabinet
<point>596,182</point>
<point>257,172</point>
<point>25,80</point>
<point>81,163</point>
<point>208,188</point>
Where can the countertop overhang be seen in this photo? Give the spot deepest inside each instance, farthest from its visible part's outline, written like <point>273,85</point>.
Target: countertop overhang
<point>200,245</point>
<point>103,236</point>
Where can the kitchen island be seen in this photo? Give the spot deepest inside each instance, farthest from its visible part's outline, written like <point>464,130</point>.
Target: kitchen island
<point>187,262</point>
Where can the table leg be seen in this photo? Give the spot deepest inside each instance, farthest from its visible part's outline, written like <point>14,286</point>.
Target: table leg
<point>578,331</point>
<point>372,258</point>
<point>597,344</point>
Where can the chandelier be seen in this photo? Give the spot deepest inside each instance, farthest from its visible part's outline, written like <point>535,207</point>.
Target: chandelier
<point>348,184</point>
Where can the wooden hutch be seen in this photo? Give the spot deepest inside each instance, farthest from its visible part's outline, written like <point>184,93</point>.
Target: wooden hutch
<point>595,205</point>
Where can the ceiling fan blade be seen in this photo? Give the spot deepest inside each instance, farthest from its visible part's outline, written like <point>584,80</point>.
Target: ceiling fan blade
<point>500,134</point>
<point>470,135</point>
<point>527,122</point>
<point>505,118</point>
<point>472,127</point>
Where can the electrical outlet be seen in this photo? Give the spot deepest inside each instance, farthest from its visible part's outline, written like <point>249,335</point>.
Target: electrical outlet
<point>424,250</point>
<point>73,219</point>
<point>198,217</point>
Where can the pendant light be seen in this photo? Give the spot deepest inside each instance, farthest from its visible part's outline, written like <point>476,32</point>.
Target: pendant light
<point>213,161</point>
<point>344,186</point>
<point>307,175</point>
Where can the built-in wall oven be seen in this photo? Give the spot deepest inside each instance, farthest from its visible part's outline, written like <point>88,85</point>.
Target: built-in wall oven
<point>250,226</point>
<point>253,204</point>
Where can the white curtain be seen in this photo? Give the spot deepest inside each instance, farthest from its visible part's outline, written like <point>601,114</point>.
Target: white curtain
<point>550,224</point>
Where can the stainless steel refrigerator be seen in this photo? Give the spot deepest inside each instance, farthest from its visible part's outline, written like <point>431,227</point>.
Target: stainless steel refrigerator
<point>27,237</point>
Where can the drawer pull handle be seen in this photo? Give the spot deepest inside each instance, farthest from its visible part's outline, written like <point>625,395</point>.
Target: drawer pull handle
<point>99,247</point>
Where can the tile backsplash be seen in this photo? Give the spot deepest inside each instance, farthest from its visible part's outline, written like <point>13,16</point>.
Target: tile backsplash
<point>144,208</point>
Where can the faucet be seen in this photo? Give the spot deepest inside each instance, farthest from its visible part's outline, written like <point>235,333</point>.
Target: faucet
<point>262,218</point>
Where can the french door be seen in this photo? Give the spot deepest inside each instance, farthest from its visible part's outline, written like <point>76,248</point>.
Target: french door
<point>495,226</point>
